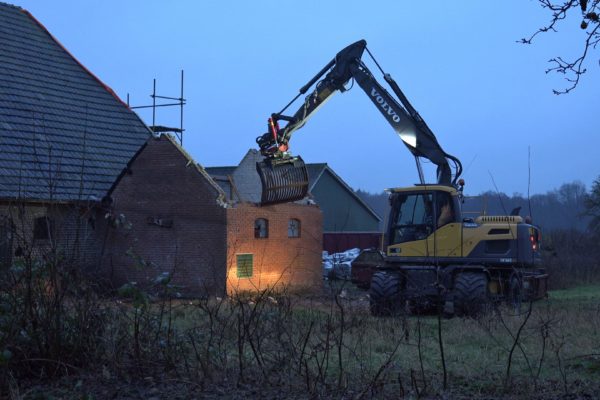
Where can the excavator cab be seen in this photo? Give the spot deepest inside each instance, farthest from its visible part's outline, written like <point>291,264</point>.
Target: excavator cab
<point>283,180</point>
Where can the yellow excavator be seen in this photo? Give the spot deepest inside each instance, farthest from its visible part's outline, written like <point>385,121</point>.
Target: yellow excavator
<point>434,256</point>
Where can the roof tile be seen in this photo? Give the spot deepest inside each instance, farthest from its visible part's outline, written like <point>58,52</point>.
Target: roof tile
<point>63,134</point>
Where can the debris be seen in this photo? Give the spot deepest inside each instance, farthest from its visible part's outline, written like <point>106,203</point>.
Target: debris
<point>339,265</point>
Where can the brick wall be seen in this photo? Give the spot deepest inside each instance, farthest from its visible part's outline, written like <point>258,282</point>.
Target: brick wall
<point>173,223</point>
<point>277,259</point>
<point>72,233</point>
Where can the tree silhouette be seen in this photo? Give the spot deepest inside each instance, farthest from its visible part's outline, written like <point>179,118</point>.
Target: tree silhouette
<point>592,204</point>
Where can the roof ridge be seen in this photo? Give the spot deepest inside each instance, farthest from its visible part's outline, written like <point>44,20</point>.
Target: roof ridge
<point>10,5</point>
<point>222,166</point>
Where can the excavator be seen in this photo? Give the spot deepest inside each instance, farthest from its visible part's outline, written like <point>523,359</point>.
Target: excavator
<point>435,257</point>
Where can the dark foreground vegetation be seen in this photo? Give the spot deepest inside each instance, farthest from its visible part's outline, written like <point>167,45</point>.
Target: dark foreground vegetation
<point>59,339</point>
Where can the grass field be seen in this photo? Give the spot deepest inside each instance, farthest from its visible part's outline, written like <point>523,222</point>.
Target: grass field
<point>553,349</point>
<point>580,293</point>
<point>329,346</point>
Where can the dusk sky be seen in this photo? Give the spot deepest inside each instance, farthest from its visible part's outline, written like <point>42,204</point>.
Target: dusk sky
<point>485,96</point>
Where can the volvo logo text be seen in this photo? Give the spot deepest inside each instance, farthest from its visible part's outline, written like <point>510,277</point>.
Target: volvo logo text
<point>385,106</point>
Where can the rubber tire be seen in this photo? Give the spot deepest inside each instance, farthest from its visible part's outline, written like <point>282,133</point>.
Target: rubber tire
<point>384,294</point>
<point>471,296</point>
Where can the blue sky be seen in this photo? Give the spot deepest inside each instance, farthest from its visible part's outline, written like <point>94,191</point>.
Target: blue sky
<point>485,96</point>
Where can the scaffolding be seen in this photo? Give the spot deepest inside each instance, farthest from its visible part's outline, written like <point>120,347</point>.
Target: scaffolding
<point>179,102</point>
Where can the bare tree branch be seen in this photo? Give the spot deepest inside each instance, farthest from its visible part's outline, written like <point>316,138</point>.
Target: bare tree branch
<point>572,69</point>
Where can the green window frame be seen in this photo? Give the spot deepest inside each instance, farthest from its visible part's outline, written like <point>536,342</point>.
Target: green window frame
<point>244,265</point>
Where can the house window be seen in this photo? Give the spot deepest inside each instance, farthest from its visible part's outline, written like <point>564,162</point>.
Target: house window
<point>244,264</point>
<point>261,228</point>
<point>42,228</point>
<point>294,228</point>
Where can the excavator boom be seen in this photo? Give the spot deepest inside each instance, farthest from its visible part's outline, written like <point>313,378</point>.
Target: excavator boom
<point>284,177</point>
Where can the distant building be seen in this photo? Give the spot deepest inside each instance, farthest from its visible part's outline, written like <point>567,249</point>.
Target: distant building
<point>348,221</point>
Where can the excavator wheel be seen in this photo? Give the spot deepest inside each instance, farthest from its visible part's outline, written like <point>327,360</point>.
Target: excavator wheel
<point>471,296</point>
<point>384,294</point>
<point>282,181</point>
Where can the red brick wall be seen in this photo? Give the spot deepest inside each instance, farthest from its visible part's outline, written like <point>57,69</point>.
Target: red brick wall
<point>162,183</point>
<point>278,259</point>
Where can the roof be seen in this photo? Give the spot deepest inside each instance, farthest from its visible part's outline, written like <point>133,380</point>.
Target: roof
<point>319,169</point>
<point>64,135</point>
<point>314,173</point>
<point>220,171</point>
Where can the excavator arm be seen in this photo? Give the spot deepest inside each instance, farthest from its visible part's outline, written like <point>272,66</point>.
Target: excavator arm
<point>284,177</point>
<point>273,144</point>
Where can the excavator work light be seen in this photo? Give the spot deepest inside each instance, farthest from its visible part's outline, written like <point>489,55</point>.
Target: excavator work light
<point>282,180</point>
<point>534,242</point>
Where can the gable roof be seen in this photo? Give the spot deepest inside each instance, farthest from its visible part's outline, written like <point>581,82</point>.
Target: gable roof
<point>320,169</point>
<point>220,171</point>
<point>314,173</point>
<point>64,135</point>
<point>221,198</point>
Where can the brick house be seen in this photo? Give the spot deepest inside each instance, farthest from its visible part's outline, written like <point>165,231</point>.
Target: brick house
<point>347,220</point>
<point>283,241</point>
<point>274,245</point>
<point>81,172</point>
<point>184,224</point>
<point>64,139</point>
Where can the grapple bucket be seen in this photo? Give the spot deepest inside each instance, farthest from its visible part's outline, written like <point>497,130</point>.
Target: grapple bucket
<point>282,181</point>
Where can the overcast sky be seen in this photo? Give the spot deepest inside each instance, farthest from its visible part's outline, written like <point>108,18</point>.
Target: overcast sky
<point>485,96</point>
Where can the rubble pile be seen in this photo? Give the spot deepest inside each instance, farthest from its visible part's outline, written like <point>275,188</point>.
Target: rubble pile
<point>339,265</point>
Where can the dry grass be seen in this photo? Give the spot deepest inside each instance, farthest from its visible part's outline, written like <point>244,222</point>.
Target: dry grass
<point>270,343</point>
